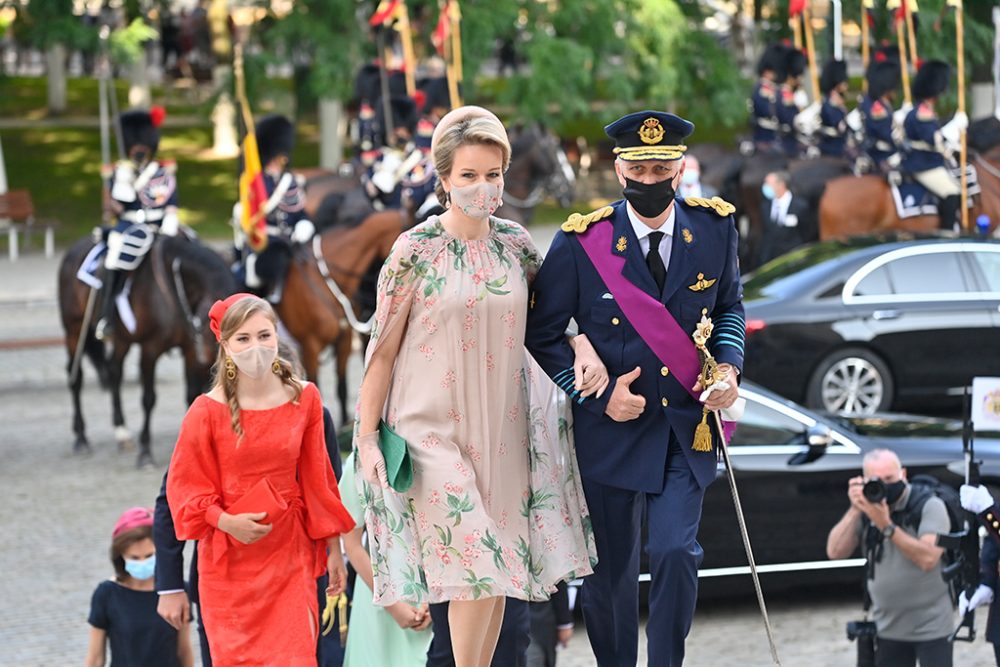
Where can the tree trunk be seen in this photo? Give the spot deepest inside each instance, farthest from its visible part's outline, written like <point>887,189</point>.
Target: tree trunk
<point>55,66</point>
<point>332,128</point>
<point>139,91</point>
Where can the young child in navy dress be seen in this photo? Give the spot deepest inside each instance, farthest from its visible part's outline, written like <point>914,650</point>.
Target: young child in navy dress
<point>123,610</point>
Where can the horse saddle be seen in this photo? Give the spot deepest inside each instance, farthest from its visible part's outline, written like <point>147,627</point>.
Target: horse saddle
<point>911,198</point>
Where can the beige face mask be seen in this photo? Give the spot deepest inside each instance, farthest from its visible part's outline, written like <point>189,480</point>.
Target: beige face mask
<point>477,201</point>
<point>255,361</point>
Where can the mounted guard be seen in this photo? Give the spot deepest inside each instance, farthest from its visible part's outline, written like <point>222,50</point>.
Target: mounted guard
<point>833,113</point>
<point>264,266</point>
<point>764,100</point>
<point>142,197</point>
<point>791,101</point>
<point>876,110</point>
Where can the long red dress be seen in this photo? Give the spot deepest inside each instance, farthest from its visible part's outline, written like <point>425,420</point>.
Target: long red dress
<point>259,601</point>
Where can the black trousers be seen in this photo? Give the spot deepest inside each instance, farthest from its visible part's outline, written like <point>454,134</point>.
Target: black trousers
<point>933,653</point>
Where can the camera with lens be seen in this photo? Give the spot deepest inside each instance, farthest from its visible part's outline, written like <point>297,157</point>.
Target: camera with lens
<point>864,632</point>
<point>874,490</point>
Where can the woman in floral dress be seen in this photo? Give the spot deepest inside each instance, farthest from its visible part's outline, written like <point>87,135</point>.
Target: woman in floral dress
<point>496,508</point>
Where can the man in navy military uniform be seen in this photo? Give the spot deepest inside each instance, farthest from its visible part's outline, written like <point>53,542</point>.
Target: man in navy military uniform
<point>876,108</point>
<point>637,277</point>
<point>402,174</point>
<point>285,209</point>
<point>928,144</point>
<point>142,196</point>
<point>787,106</point>
<point>764,101</point>
<point>833,113</point>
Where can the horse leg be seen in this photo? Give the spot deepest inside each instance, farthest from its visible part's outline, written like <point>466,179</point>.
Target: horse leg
<point>147,371</point>
<point>342,350</point>
<point>80,445</point>
<point>122,435</point>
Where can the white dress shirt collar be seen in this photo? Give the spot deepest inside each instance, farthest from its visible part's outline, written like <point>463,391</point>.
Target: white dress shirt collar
<point>642,230</point>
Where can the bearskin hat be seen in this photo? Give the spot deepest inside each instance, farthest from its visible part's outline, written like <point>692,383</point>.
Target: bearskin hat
<point>275,136</point>
<point>834,74</point>
<point>436,92</point>
<point>138,128</point>
<point>931,80</point>
<point>795,62</point>
<point>883,77</point>
<point>404,113</point>
<point>773,59</point>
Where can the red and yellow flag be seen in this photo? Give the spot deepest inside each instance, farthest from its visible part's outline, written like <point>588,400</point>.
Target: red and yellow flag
<point>386,12</point>
<point>796,7</point>
<point>253,195</point>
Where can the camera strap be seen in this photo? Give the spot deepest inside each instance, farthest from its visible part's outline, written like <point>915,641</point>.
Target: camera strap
<point>745,534</point>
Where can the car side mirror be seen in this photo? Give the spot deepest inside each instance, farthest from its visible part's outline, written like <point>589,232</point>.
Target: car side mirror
<point>818,438</point>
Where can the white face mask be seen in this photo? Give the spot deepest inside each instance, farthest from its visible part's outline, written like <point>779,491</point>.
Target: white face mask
<point>690,177</point>
<point>477,201</point>
<point>255,361</point>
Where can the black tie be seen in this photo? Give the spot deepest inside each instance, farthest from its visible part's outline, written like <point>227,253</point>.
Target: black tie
<point>654,261</point>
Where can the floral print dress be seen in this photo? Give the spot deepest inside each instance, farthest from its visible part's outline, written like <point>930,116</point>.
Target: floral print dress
<point>496,507</point>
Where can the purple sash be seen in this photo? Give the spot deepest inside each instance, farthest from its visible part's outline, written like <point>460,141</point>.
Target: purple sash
<point>654,323</point>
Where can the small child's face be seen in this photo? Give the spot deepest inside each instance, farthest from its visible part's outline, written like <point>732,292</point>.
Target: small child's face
<point>140,550</point>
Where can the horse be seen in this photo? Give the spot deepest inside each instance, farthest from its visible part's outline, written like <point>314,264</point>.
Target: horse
<point>322,282</point>
<point>853,205</point>
<point>538,166</point>
<point>863,205</point>
<point>170,294</point>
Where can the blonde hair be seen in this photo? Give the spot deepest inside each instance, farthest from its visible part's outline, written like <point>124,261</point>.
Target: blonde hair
<point>462,127</point>
<point>234,318</point>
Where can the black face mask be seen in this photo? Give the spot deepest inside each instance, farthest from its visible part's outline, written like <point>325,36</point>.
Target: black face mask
<point>894,490</point>
<point>649,199</point>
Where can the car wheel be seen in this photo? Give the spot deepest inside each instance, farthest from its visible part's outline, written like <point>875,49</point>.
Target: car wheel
<point>852,381</point>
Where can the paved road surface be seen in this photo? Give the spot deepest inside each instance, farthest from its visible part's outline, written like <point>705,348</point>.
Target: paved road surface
<point>56,510</point>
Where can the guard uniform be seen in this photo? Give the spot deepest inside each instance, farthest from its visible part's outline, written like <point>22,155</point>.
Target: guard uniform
<point>143,200</point>
<point>647,466</point>
<point>833,113</point>
<point>402,173</point>
<point>926,148</point>
<point>764,101</point>
<point>265,269</point>
<point>787,107</point>
<point>876,108</point>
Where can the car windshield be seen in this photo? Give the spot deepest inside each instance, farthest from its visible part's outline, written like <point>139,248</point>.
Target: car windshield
<point>794,271</point>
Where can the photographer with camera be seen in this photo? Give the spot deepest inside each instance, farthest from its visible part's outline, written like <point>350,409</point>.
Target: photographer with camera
<point>911,602</point>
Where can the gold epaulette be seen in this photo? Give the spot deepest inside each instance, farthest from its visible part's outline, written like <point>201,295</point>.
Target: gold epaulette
<point>578,222</point>
<point>721,206</point>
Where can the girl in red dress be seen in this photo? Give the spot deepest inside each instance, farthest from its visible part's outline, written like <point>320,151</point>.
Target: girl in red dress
<point>259,428</point>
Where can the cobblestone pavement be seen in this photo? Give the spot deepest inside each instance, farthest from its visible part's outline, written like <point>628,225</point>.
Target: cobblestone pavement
<point>56,510</point>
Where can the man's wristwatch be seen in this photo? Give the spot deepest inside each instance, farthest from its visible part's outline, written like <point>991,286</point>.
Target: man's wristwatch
<point>888,531</point>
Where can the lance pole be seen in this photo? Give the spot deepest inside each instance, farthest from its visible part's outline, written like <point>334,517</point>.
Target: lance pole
<point>963,154</point>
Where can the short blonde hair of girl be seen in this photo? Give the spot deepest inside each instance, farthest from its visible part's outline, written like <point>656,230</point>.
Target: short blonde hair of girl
<point>235,316</point>
<point>462,127</point>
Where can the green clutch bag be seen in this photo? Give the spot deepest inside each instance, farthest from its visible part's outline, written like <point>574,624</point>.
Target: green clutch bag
<point>398,465</point>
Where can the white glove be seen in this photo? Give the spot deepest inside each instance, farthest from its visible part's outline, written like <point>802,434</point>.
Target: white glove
<point>735,411</point>
<point>854,120</point>
<point>801,98</point>
<point>385,178</point>
<point>975,499</point>
<point>303,232</point>
<point>372,461</point>
<point>900,114</point>
<point>894,160</point>
<point>123,188</point>
<point>952,130</point>
<point>808,121</point>
<point>170,223</point>
<point>982,596</point>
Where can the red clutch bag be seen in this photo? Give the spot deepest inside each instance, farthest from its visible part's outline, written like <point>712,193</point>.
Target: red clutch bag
<point>262,497</point>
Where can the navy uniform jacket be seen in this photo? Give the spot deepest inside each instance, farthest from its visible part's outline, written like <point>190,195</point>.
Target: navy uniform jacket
<point>632,455</point>
<point>290,208</point>
<point>921,127</point>
<point>414,187</point>
<point>989,562</point>
<point>787,110</point>
<point>153,193</point>
<point>833,129</point>
<point>879,143</point>
<point>763,105</point>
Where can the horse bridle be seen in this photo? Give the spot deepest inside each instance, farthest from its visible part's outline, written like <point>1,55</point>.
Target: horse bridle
<point>363,328</point>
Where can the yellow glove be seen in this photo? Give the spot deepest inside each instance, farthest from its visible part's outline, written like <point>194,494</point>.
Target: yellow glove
<point>340,602</point>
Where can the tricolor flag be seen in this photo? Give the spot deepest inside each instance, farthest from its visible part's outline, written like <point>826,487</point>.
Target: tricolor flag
<point>386,12</point>
<point>253,195</point>
<point>442,33</point>
<point>796,7</point>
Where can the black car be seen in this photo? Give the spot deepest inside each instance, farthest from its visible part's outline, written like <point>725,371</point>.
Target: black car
<point>867,325</point>
<point>792,466</point>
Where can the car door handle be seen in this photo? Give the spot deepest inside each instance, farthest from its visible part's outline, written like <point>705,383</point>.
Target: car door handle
<point>885,315</point>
